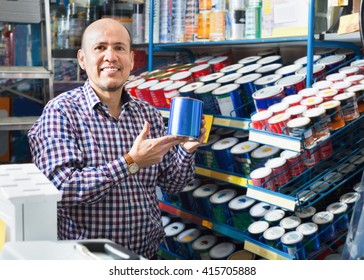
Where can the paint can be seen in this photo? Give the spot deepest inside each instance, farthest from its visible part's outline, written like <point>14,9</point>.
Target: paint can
<point>327,94</point>
<point>239,209</point>
<point>359,95</point>
<point>211,78</point>
<point>292,84</point>
<point>311,238</point>
<point>332,61</point>
<point>292,243</point>
<point>273,217</point>
<point>335,77</point>
<point>296,111</point>
<point>341,87</point>
<point>228,79</point>
<point>185,117</point>
<point>204,93</point>
<point>321,85</point>
<point>319,121</point>
<point>349,105</point>
<point>324,220</point>
<point>267,81</point>
<point>220,205</point>
<point>241,255</point>
<point>231,69</point>
<point>188,90</point>
<point>222,251</point>
<point>132,85</point>
<point>249,69</point>
<point>272,236</point>
<point>269,69</point>
<point>182,76</point>
<point>341,217</point>
<point>171,232</point>
<point>265,97</point>
<point>172,91</point>
<point>303,60</point>
<point>278,108</point>
<point>288,70</point>
<point>242,157</point>
<point>354,79</point>
<point>203,245</point>
<point>308,92</point>
<point>312,102</point>
<point>186,197</point>
<point>270,59</point>
<point>204,153</point>
<point>334,114</point>
<point>259,120</point>
<point>229,100</point>
<point>142,91</point>
<point>278,123</point>
<point>301,128</point>
<point>263,177</point>
<point>185,240</point>
<point>295,162</point>
<point>280,170</point>
<point>218,63</point>
<point>200,71</point>
<point>202,198</point>
<point>293,100</point>
<point>157,93</point>
<point>305,214</point>
<point>249,60</point>
<point>262,154</point>
<point>318,71</point>
<point>290,223</point>
<point>222,151</point>
<point>256,229</point>
<point>203,59</point>
<point>246,83</point>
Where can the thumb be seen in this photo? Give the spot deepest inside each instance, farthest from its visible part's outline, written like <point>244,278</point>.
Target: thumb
<point>146,128</point>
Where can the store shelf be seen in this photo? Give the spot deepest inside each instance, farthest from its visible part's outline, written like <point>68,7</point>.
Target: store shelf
<point>223,176</point>
<point>24,72</point>
<point>17,123</point>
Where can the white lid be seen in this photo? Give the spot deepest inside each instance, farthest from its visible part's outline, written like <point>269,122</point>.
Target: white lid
<point>175,85</point>
<point>292,237</point>
<point>275,162</point>
<point>165,220</point>
<point>260,209</point>
<point>267,92</point>
<point>225,143</point>
<point>134,83</point>
<point>347,70</point>
<point>290,222</point>
<point>307,228</point>
<point>350,197</point>
<point>303,60</point>
<point>268,79</point>
<point>249,59</point>
<point>319,186</point>
<point>359,87</point>
<point>161,85</point>
<point>244,147</point>
<point>211,77</point>
<point>279,118</point>
<point>241,202</point>
<point>147,84</point>
<point>314,112</point>
<point>231,68</point>
<point>174,229</point>
<point>261,115</point>
<point>265,151</point>
<point>195,183</point>
<point>205,190</point>
<point>316,69</point>
<point>289,69</point>
<point>341,85</point>
<point>278,107</point>
<point>274,233</point>
<point>269,68</point>
<point>204,242</point>
<point>289,154</point>
<point>199,67</point>
<point>189,235</point>
<point>312,101</point>
<point>330,104</point>
<point>274,215</point>
<point>346,168</point>
<point>218,59</point>
<point>344,96</point>
<point>225,89</point>
<point>323,217</point>
<point>322,84</point>
<point>306,212</point>
<point>354,78</point>
<point>298,122</point>
<point>306,92</point>
<point>222,196</point>
<point>249,68</point>
<point>335,77</point>
<point>247,78</point>
<point>222,250</point>
<point>359,62</point>
<point>328,92</point>
<point>207,88</point>
<point>293,98</point>
<point>295,110</point>
<point>269,59</point>
<point>261,172</point>
<point>191,87</point>
<point>180,75</point>
<point>331,59</point>
<point>337,208</point>
<point>229,78</point>
<point>258,227</point>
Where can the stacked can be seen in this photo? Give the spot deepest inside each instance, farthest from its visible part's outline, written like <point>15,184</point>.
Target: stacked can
<point>186,197</point>
<point>191,20</point>
<point>220,205</point>
<point>178,20</point>
<point>222,151</point>
<point>172,231</point>
<point>202,198</point>
<point>185,240</point>
<point>228,98</point>
<point>202,245</point>
<point>189,89</point>
<point>272,236</point>
<point>157,93</point>
<point>239,208</point>
<point>205,155</point>
<point>143,91</point>
<point>242,157</point>
<point>172,91</point>
<point>204,93</point>
<point>222,251</point>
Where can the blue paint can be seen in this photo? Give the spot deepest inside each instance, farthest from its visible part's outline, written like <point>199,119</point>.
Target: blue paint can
<point>230,69</point>
<point>292,84</point>
<point>311,238</point>
<point>204,94</point>
<point>269,69</point>
<point>171,232</point>
<point>273,217</point>
<point>225,132</point>
<point>256,229</point>
<point>258,210</point>
<point>288,70</point>
<point>239,209</point>
<point>290,223</point>
<point>272,236</point>
<point>185,117</point>
<point>305,214</point>
<point>202,198</point>
<point>185,240</point>
<point>202,245</point>
<point>223,154</point>
<point>249,60</point>
<point>205,155</point>
<point>267,81</point>
<point>242,157</point>
<point>247,87</point>
<point>332,61</point>
<point>292,243</point>
<point>242,135</point>
<point>229,100</point>
<point>189,89</point>
<point>341,217</point>
<point>270,59</point>
<point>303,60</point>
<point>220,205</point>
<point>211,78</point>
<point>187,201</point>
<point>265,97</point>
<point>325,222</point>
<point>228,79</point>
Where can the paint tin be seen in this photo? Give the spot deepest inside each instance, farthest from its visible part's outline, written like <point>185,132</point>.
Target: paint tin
<point>203,24</point>
<point>319,121</point>
<point>217,27</point>
<point>292,84</point>
<point>341,86</point>
<point>301,128</point>
<point>261,155</point>
<point>246,83</point>
<point>242,135</point>
<point>269,69</point>
<point>258,210</point>
<point>202,198</point>
<point>341,217</point>
<point>320,186</point>
<point>332,61</point>
<point>157,93</point>
<point>333,178</point>
<point>311,157</point>
<point>202,245</point>
<point>165,220</point>
<point>171,232</point>
<point>204,93</point>
<point>354,79</point>
<point>273,217</point>
<point>327,94</point>
<point>359,95</point>
<point>295,162</point>
<point>185,117</point>
<point>228,78</point>
<point>265,97</point>
<point>318,70</point>
<point>321,85</point>
<point>186,197</point>
<point>218,63</point>
<point>305,214</point>
<point>292,100</point>
<point>222,251</point>
<point>203,60</point>
<point>267,81</point>
<point>350,199</point>
<point>305,196</point>
<point>204,153</point>
<point>312,102</point>
<point>229,100</point>
<point>211,78</point>
<point>253,20</point>
<point>132,85</point>
<point>257,229</point>
<point>249,69</point>
<point>356,160</point>
<point>270,60</point>
<point>200,71</point>
<point>292,243</point>
<point>324,220</point>
<point>279,167</point>
<point>278,108</point>
<point>189,89</point>
<point>172,91</point>
<point>324,52</point>
<point>225,132</point>
<point>272,236</point>
<point>239,209</point>
<point>296,111</point>
<point>335,77</point>
<point>349,70</point>
<point>223,154</point>
<point>241,153</point>
<point>311,238</point>
<point>278,122</point>
<point>359,63</point>
<point>263,177</point>
<point>142,91</point>
<point>288,70</point>
<point>290,223</point>
<point>231,69</point>
<point>334,114</point>
<point>241,255</point>
<point>220,205</point>
<point>308,92</point>
<point>185,240</point>
<point>259,120</point>
<point>349,106</point>
<point>249,60</point>
<point>303,60</point>
<point>182,76</point>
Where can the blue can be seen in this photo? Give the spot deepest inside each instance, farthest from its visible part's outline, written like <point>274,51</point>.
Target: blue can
<point>272,236</point>
<point>202,245</point>
<point>324,220</point>
<point>269,69</point>
<point>265,97</point>
<point>205,155</point>
<point>185,117</point>
<point>185,240</point>
<point>247,87</point>
<point>202,198</point>
<point>187,201</point>
<point>220,205</point>
<point>204,94</point>
<point>189,89</point>
<point>310,236</point>
<point>211,78</point>
<point>239,209</point>
<point>230,69</point>
<point>292,84</point>
<point>256,229</point>
<point>222,151</point>
<point>270,60</point>
<point>242,157</point>
<point>229,100</point>
<point>249,69</point>
<point>228,79</point>
<point>171,232</point>
<point>292,243</point>
<point>288,70</point>
<point>341,217</point>
<point>267,81</point>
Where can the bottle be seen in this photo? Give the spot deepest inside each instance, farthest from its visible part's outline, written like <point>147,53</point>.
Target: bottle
<point>354,245</point>
<point>138,24</point>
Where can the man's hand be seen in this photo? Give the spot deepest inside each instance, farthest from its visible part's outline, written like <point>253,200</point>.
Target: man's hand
<point>190,145</point>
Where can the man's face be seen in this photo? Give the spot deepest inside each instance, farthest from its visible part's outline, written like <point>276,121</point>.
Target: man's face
<point>106,56</point>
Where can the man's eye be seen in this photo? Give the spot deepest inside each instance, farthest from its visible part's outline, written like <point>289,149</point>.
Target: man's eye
<point>100,48</point>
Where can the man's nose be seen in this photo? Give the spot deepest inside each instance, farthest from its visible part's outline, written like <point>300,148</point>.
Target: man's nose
<point>109,54</point>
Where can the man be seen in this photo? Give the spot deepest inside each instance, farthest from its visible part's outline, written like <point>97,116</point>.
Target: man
<point>107,151</point>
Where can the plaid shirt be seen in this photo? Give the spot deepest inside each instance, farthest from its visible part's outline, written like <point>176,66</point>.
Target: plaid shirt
<point>79,146</point>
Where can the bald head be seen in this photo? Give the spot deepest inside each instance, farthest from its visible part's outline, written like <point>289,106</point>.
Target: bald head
<point>101,24</point>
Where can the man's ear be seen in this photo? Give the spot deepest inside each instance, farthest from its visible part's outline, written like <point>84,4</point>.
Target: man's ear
<point>81,57</point>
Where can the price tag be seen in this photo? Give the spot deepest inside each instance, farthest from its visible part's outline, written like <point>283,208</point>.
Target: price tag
<point>209,119</point>
<point>207,224</point>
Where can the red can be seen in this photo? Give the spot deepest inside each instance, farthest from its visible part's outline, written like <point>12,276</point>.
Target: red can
<point>308,92</point>
<point>157,93</point>
<point>200,71</point>
<point>349,70</point>
<point>341,86</point>
<point>143,92</point>
<point>280,170</point>
<point>327,94</point>
<point>260,119</point>
<point>218,63</point>
<point>172,91</point>
<point>354,79</point>
<point>294,161</point>
<point>182,76</point>
<point>203,60</point>
<point>311,157</point>
<point>262,177</point>
<point>292,100</point>
<point>278,122</point>
<point>296,111</point>
<point>335,77</point>
<point>312,102</point>
<point>325,148</point>
<point>132,86</point>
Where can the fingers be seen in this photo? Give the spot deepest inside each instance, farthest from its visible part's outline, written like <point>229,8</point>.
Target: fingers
<point>146,128</point>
